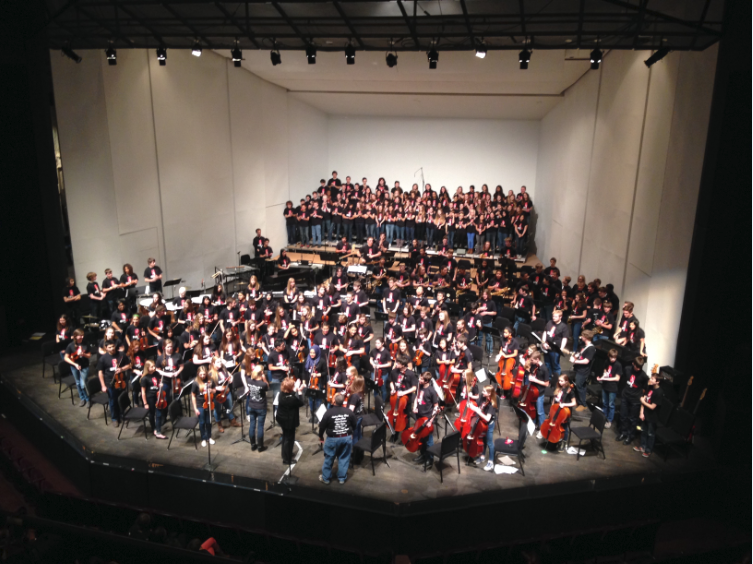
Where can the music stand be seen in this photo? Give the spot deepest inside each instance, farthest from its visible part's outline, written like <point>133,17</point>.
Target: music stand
<point>241,417</point>
<point>172,284</point>
<point>315,395</point>
<point>371,386</point>
<point>288,479</point>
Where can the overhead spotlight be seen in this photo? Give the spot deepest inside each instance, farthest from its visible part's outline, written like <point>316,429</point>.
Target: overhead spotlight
<point>274,56</point>
<point>350,54</point>
<point>112,56</point>
<point>237,56</point>
<point>311,54</point>
<point>68,52</point>
<point>595,59</point>
<point>524,57</point>
<point>481,51</point>
<point>162,56</point>
<point>433,57</point>
<point>391,59</point>
<point>196,49</point>
<point>656,57</point>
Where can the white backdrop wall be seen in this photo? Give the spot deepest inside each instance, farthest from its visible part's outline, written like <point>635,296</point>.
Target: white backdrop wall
<point>181,162</point>
<point>618,176</point>
<point>452,152</point>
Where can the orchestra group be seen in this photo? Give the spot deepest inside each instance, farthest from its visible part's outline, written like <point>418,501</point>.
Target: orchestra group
<point>319,347</point>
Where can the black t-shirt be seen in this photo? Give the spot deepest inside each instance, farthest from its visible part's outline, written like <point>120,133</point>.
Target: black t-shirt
<point>356,400</point>
<point>635,382</point>
<point>654,396</point>
<point>392,332</point>
<point>586,353</point>
<point>169,363</point>
<point>524,305</point>
<point>71,291</point>
<point>464,359</point>
<point>403,381</point>
<point>634,339</point>
<point>278,359</point>
<point>257,393</point>
<point>73,350</point>
<point>108,363</point>
<point>392,298</point>
<point>196,390</point>
<point>540,373</point>
<point>93,288</point>
<point>326,342</point>
<point>364,331</point>
<point>112,295</point>
<point>611,370</point>
<point>155,286</point>
<point>509,347</point>
<point>339,421</point>
<point>151,385</point>
<point>381,357</point>
<point>426,398</point>
<point>556,332</point>
<point>120,318</point>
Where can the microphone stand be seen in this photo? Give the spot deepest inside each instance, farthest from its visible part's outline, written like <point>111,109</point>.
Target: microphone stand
<point>242,417</point>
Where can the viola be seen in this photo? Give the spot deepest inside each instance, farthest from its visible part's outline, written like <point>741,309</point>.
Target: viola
<point>177,386</point>
<point>528,399</point>
<point>398,417</point>
<point>473,442</point>
<point>208,397</point>
<point>332,360</point>
<point>419,358</point>
<point>394,347</point>
<point>463,421</point>
<point>412,438</point>
<point>161,395</point>
<point>118,381</point>
<point>552,428</point>
<point>314,381</point>
<point>520,375</point>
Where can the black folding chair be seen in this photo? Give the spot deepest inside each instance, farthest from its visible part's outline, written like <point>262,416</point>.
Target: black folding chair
<point>376,418</point>
<point>96,397</point>
<point>65,383</point>
<point>371,444</point>
<point>129,413</point>
<point>175,412</point>
<point>449,446</point>
<point>50,356</point>
<point>677,433</point>
<point>593,432</point>
<point>514,448</point>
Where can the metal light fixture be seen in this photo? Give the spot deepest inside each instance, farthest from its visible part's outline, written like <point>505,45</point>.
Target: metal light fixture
<point>524,57</point>
<point>196,49</point>
<point>596,55</point>
<point>433,57</point>
<point>162,56</point>
<point>311,54</point>
<point>350,54</point>
<point>112,56</point>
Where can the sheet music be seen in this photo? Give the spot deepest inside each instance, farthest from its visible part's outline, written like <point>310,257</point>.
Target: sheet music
<point>277,400</point>
<point>321,411</point>
<point>481,375</point>
<point>437,389</point>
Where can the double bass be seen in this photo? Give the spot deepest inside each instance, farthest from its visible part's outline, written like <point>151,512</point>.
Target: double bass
<point>552,428</point>
<point>423,427</point>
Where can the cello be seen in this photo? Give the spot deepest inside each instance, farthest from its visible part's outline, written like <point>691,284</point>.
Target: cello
<point>423,427</point>
<point>520,374</point>
<point>473,442</point>
<point>463,421</point>
<point>398,405</point>
<point>528,399</point>
<point>552,428</point>
<point>504,375</point>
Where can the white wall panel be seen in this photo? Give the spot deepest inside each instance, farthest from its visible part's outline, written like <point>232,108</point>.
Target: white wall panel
<point>87,163</point>
<point>191,116</point>
<point>452,152</point>
<point>308,150</point>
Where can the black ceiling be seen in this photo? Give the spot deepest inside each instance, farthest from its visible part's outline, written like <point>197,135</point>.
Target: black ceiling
<point>375,25</point>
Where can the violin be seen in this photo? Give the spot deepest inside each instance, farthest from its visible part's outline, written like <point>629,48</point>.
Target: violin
<point>419,358</point>
<point>177,386</point>
<point>314,380</point>
<point>552,428</point>
<point>208,397</point>
<point>118,382</point>
<point>473,442</point>
<point>331,360</point>
<point>412,438</point>
<point>394,347</point>
<point>161,395</point>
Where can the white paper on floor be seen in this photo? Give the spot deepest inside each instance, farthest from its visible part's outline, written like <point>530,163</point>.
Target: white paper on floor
<point>502,469</point>
<point>506,460</point>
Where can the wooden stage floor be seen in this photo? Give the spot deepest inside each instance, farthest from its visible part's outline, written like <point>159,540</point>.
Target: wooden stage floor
<point>402,482</point>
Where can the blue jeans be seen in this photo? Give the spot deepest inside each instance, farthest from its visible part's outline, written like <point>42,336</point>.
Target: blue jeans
<point>336,230</point>
<point>341,448</point>
<point>429,442</point>
<point>648,436</point>
<point>303,230</point>
<point>256,425</point>
<point>500,239</point>
<point>489,338</point>
<point>291,232</point>
<point>346,230</point>
<point>471,239</point>
<point>450,237</point>
<point>358,431</point>
<point>520,244</point>
<point>490,441</point>
<point>314,405</point>
<point>547,310</point>
<point>327,230</point>
<point>607,398</point>
<point>400,232</point>
<point>577,326</point>
<point>518,321</point>
<point>410,233</point>
<point>597,338</point>
<point>218,411</point>
<point>389,229</point>
<point>113,395</point>
<point>371,230</point>
<point>316,234</point>
<point>205,423</point>
<point>552,361</point>
<point>540,413</point>
<point>430,234</point>
<point>80,377</point>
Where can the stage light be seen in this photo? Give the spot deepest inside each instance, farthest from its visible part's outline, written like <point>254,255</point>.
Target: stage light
<point>196,49</point>
<point>237,56</point>
<point>481,51</point>
<point>433,57</point>
<point>656,57</point>
<point>350,54</point>
<point>68,52</point>
<point>311,54</point>
<point>595,59</point>
<point>391,59</point>
<point>274,56</point>
<point>524,57</point>
<point>112,56</point>
<point>162,56</point>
